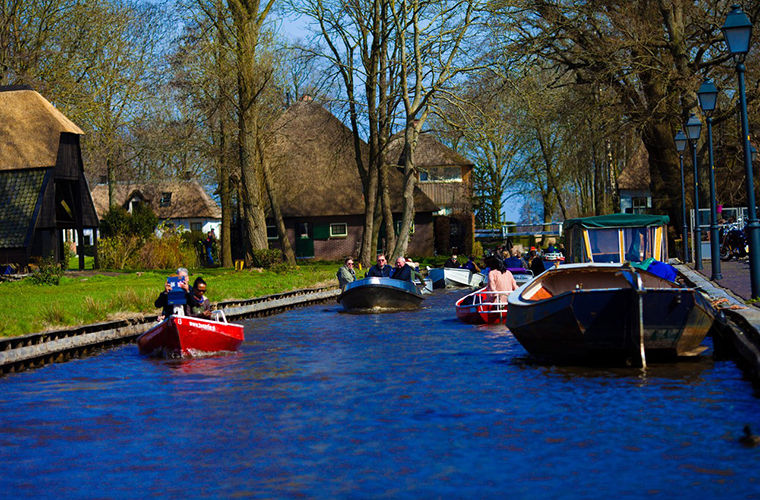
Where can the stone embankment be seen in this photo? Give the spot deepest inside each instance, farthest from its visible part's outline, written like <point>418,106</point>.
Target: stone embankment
<point>37,349</point>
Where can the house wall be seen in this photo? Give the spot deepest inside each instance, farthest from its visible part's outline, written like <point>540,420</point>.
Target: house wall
<point>626,200</point>
<point>337,248</point>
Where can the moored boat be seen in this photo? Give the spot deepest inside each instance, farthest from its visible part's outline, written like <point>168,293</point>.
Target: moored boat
<point>615,301</point>
<point>483,306</point>
<point>185,336</point>
<point>380,295</point>
<point>592,313</point>
<point>447,277</point>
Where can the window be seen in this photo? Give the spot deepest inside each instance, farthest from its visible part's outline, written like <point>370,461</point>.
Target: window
<point>339,230</point>
<point>271,232</point>
<point>397,227</point>
<point>302,229</point>
<point>640,204</point>
<point>196,226</point>
<point>166,200</point>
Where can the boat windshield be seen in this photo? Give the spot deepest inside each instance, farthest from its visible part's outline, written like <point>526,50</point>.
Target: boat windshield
<point>634,244</point>
<point>605,245</point>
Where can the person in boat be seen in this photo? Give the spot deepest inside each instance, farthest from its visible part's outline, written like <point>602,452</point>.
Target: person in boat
<point>535,262</point>
<point>381,269</point>
<point>452,262</point>
<point>472,265</point>
<point>198,304</point>
<point>346,273</point>
<point>163,298</point>
<point>403,271</point>
<point>500,280</point>
<point>516,261</point>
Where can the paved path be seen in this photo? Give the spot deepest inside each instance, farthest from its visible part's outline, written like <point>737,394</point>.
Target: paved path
<point>735,276</point>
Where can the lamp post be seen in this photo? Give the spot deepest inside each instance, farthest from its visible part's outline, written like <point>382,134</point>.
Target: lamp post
<point>680,146</point>
<point>737,30</point>
<point>693,129</point>
<point>708,95</point>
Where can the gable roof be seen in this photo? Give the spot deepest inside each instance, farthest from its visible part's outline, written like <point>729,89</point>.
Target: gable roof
<point>429,152</point>
<point>31,129</point>
<point>635,175</point>
<point>310,154</point>
<point>188,199</point>
<point>22,191</point>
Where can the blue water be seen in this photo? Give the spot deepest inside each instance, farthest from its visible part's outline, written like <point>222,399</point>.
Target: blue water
<point>322,404</point>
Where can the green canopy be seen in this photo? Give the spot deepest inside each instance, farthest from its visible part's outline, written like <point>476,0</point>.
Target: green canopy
<point>615,221</point>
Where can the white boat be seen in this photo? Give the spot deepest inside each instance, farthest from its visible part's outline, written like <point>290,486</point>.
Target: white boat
<point>447,277</point>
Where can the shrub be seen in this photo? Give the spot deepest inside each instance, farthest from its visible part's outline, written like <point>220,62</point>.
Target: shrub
<point>167,252</point>
<point>115,222</point>
<point>116,252</point>
<point>477,250</point>
<point>267,258</point>
<point>143,222</point>
<point>48,273</point>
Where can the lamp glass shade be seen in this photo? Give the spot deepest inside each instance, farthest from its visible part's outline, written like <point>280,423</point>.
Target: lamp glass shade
<point>693,127</point>
<point>680,141</point>
<point>708,95</point>
<point>737,31</point>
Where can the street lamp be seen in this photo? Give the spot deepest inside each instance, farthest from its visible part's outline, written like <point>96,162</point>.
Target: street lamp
<point>737,30</point>
<point>708,96</point>
<point>680,139</point>
<point>693,129</point>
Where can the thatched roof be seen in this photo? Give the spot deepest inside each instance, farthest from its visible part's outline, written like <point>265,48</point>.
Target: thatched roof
<point>31,129</point>
<point>635,175</point>
<point>188,199</point>
<point>429,152</point>
<point>311,155</point>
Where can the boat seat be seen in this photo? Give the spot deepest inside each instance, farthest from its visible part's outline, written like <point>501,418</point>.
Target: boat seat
<point>540,294</point>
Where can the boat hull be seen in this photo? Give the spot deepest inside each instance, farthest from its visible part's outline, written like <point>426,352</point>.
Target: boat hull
<point>601,324</point>
<point>482,307</point>
<point>380,295</point>
<point>450,277</point>
<point>184,336</point>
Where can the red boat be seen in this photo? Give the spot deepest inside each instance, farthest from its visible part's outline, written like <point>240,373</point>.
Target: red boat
<point>185,336</point>
<point>483,306</point>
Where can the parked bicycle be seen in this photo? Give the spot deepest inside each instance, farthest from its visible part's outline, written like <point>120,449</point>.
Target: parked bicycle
<point>733,242</point>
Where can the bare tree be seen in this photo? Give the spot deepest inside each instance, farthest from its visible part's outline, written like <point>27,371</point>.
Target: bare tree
<point>248,17</point>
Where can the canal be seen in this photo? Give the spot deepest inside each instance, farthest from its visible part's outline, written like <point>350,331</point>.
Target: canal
<point>323,404</point>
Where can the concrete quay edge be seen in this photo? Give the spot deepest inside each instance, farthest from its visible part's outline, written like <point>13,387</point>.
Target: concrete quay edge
<point>38,349</point>
<point>737,323</point>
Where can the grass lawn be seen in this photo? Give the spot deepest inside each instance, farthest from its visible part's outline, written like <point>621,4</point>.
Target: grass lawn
<point>90,297</point>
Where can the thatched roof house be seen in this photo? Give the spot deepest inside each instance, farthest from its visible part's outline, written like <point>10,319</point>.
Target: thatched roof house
<point>445,177</point>
<point>184,203</point>
<point>633,183</point>
<point>311,156</point>
<point>42,179</point>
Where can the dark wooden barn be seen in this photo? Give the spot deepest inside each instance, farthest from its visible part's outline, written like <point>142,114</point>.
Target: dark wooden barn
<point>42,183</point>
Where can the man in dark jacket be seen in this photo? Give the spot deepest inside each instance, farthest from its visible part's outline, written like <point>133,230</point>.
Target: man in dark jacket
<point>381,269</point>
<point>403,271</point>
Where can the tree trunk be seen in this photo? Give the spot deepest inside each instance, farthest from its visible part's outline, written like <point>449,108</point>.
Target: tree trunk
<point>282,233</point>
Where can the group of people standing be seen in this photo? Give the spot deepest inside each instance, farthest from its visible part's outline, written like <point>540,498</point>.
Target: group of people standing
<point>402,271</point>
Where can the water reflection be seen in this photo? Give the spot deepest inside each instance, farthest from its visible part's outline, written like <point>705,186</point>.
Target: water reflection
<point>415,404</point>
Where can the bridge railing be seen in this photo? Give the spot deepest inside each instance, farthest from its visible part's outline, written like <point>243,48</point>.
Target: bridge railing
<point>507,230</point>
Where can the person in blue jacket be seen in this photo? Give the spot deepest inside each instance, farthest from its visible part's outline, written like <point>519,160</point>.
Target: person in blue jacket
<point>381,269</point>
<point>403,271</point>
